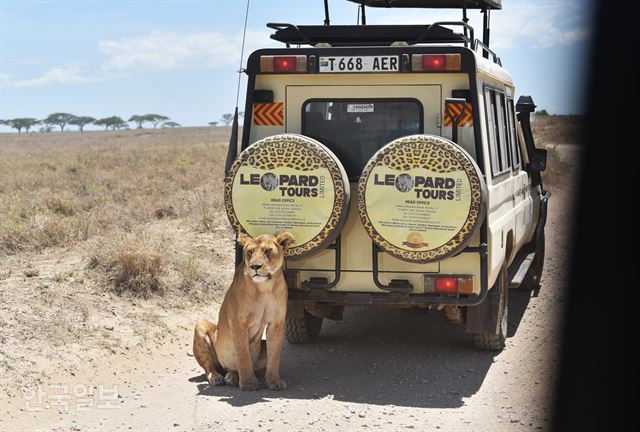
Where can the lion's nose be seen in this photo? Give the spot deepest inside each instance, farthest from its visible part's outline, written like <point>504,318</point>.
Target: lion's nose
<point>256,266</point>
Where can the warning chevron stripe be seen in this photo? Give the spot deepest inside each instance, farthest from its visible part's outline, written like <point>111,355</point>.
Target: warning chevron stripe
<point>268,114</point>
<point>465,121</point>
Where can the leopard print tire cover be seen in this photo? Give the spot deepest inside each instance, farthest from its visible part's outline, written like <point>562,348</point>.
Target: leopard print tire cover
<point>288,182</point>
<point>421,198</point>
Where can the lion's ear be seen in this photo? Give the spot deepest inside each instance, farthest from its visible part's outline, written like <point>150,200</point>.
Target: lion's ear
<point>284,239</point>
<point>243,239</point>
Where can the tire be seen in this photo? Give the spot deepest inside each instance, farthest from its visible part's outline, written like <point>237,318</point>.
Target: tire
<point>498,297</point>
<point>532,280</point>
<point>303,330</point>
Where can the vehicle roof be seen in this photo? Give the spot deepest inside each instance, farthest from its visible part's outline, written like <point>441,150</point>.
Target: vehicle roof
<point>450,4</point>
<point>491,68</point>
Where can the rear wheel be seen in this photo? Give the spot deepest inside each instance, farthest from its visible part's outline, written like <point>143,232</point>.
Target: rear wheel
<point>498,299</point>
<point>532,281</point>
<point>303,330</point>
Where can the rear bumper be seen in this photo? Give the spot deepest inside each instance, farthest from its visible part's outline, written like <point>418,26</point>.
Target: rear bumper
<point>387,298</point>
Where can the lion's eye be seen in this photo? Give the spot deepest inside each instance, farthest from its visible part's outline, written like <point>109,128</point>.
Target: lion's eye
<point>267,252</point>
<point>249,252</point>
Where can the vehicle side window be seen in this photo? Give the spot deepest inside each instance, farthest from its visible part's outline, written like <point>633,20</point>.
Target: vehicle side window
<point>497,128</point>
<point>505,150</point>
<point>513,135</point>
<point>492,130</point>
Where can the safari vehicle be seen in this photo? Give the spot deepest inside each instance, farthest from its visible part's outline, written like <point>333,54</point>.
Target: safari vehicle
<point>410,133</point>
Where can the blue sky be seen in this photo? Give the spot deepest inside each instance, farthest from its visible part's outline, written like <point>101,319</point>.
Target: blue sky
<point>178,58</point>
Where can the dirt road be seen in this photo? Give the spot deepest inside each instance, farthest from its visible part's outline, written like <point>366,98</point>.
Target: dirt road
<point>378,369</point>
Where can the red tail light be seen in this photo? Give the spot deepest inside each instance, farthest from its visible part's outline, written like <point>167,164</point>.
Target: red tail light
<point>435,62</point>
<point>283,64</point>
<point>447,285</point>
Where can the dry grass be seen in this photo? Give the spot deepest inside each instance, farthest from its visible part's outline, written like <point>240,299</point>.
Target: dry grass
<point>558,129</point>
<point>61,188</point>
<point>552,132</point>
<point>557,168</point>
<point>131,266</point>
<point>163,258</point>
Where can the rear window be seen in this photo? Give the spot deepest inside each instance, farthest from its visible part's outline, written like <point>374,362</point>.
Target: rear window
<point>355,129</point>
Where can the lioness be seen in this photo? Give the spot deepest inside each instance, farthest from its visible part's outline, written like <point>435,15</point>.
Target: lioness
<point>257,298</point>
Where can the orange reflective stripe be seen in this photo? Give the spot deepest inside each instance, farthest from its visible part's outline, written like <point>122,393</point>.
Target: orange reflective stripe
<point>268,114</point>
<point>465,121</point>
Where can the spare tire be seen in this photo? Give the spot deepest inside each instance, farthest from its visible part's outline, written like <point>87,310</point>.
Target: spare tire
<point>288,182</point>
<point>421,198</point>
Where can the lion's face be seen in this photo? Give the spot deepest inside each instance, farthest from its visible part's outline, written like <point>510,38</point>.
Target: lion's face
<point>264,254</point>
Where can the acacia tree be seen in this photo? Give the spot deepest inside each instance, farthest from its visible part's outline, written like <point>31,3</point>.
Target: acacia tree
<point>170,124</point>
<point>25,123</point>
<point>138,120</point>
<point>81,121</point>
<point>155,119</point>
<point>227,119</point>
<point>59,119</point>
<point>213,123</point>
<point>113,122</point>
<point>118,123</point>
<point>102,122</point>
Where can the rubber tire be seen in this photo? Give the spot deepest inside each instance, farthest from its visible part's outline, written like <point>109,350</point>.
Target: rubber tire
<point>491,341</point>
<point>532,280</point>
<point>303,330</point>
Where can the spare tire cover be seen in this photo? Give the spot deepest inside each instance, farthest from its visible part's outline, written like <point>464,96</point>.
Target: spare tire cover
<point>421,198</point>
<point>288,182</point>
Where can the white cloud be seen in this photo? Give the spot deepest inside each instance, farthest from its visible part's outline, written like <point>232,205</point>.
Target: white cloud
<point>532,25</point>
<point>57,75</point>
<point>171,50</point>
<point>152,51</point>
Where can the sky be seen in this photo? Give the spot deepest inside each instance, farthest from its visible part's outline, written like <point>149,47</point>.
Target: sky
<point>180,58</point>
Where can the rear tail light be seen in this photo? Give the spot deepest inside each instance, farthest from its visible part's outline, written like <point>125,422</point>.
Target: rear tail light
<point>446,285</point>
<point>449,284</point>
<point>283,64</point>
<point>436,62</point>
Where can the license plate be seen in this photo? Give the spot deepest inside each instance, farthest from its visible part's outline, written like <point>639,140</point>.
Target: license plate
<point>355,64</point>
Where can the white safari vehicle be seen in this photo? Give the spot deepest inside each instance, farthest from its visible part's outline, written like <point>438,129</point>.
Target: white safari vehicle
<point>397,157</point>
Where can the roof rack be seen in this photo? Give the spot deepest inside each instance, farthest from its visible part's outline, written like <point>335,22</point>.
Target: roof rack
<point>351,35</point>
<point>380,35</point>
<point>450,4</point>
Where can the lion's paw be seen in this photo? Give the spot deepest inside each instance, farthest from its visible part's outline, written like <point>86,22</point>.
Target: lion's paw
<point>249,384</point>
<point>277,384</point>
<point>231,378</point>
<point>215,379</point>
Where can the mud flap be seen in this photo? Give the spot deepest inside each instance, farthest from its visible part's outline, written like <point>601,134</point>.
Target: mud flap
<point>542,220</point>
<point>484,318</point>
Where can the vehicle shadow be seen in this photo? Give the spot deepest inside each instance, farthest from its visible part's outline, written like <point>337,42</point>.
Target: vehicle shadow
<point>384,356</point>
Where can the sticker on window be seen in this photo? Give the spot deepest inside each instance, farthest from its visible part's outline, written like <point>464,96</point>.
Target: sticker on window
<point>360,108</point>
